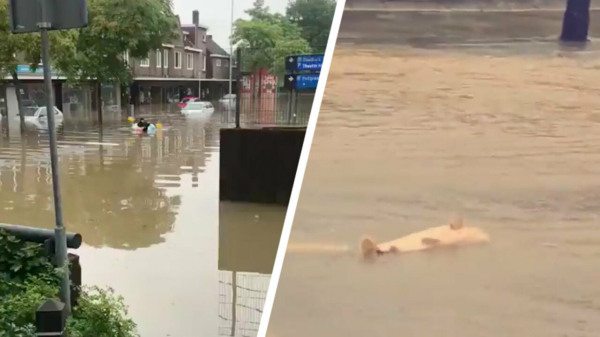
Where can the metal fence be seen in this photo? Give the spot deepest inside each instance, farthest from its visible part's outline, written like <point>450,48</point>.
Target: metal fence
<point>241,300</point>
<point>279,109</point>
<point>261,98</point>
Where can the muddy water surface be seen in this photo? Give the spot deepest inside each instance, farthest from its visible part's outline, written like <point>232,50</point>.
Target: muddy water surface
<point>148,209</point>
<point>409,136</point>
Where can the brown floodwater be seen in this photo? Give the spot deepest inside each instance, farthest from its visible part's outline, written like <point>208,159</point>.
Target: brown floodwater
<point>153,227</point>
<point>408,136</point>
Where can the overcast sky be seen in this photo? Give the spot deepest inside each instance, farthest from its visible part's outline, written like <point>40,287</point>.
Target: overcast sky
<point>216,14</point>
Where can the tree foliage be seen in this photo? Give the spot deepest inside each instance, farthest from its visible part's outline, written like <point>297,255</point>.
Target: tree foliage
<point>116,28</point>
<point>18,48</point>
<point>314,18</point>
<point>266,39</point>
<point>14,46</point>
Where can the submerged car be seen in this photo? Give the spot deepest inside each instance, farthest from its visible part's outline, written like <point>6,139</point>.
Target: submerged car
<point>39,117</point>
<point>186,100</point>
<point>29,106</point>
<point>201,110</point>
<point>228,102</point>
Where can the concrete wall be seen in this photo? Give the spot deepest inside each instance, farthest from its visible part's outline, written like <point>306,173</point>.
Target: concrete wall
<point>259,165</point>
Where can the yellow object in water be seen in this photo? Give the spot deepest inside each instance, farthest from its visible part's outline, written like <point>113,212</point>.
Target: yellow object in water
<point>131,119</point>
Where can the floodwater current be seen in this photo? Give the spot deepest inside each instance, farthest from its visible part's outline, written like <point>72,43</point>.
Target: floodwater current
<point>430,114</point>
<point>153,227</point>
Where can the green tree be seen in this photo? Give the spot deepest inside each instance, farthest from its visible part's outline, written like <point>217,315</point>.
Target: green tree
<point>116,28</point>
<point>16,49</point>
<point>267,38</point>
<point>314,17</point>
<point>12,48</point>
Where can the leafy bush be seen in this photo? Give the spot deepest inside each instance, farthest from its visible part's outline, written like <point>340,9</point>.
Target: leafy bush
<point>100,313</point>
<point>27,278</point>
<point>18,305</point>
<point>19,260</point>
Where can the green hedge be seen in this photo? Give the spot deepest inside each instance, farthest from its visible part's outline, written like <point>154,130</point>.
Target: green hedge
<point>27,278</point>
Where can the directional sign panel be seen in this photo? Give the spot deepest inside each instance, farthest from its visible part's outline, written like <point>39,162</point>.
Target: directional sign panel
<point>308,81</point>
<point>304,63</point>
<point>62,15</point>
<point>302,82</point>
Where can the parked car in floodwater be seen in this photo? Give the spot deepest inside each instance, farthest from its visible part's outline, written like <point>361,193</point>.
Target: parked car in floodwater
<point>201,110</point>
<point>186,100</point>
<point>228,102</point>
<point>39,117</point>
<point>29,105</point>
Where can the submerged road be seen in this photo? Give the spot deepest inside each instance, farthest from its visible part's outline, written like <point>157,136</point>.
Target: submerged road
<point>425,28</point>
<point>153,227</point>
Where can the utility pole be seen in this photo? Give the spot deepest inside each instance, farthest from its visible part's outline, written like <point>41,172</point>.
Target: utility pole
<point>231,59</point>
<point>51,15</point>
<point>576,21</point>
<point>59,231</point>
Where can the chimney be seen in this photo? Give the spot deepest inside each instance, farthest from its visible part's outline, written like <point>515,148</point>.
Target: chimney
<point>196,18</point>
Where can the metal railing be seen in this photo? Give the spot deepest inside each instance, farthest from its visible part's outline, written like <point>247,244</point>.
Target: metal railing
<point>279,109</point>
<point>242,297</point>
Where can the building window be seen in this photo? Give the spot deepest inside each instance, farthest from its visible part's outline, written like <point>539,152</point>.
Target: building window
<point>190,61</point>
<point>204,38</point>
<point>145,62</point>
<point>177,60</point>
<point>158,58</point>
<point>166,59</point>
<point>204,62</point>
<point>218,63</point>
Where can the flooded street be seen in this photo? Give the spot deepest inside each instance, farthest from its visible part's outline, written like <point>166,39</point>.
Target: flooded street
<point>149,213</point>
<point>410,134</point>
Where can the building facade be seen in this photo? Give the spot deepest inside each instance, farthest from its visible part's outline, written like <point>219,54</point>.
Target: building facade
<point>190,65</point>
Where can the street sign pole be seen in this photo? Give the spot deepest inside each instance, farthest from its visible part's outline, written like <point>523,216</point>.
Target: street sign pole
<point>59,231</point>
<point>290,106</point>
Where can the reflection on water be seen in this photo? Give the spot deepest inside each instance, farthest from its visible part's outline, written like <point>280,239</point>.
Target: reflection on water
<point>148,210</point>
<point>248,241</point>
<point>406,137</point>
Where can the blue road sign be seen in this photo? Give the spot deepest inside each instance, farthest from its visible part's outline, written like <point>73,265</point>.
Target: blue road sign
<point>304,63</point>
<point>302,82</point>
<point>308,81</point>
<point>309,62</point>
